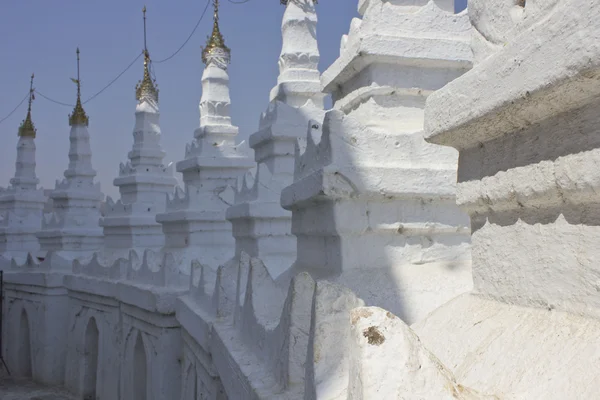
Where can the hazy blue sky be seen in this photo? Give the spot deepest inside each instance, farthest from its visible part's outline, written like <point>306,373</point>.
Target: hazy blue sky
<point>41,36</point>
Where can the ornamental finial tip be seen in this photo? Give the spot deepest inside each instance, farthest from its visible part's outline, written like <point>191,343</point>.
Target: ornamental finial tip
<point>215,47</point>
<point>27,129</point>
<point>146,88</point>
<point>78,117</point>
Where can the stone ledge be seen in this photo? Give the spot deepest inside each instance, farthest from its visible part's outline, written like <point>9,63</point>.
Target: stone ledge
<point>91,285</point>
<point>148,297</point>
<point>241,162</point>
<point>526,88</point>
<point>140,178</point>
<point>410,51</point>
<point>35,279</point>
<point>257,210</point>
<point>542,185</point>
<point>392,183</point>
<point>190,215</point>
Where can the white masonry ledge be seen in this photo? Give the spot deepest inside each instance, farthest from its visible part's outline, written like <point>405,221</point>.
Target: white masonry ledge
<point>257,210</point>
<point>22,229</point>
<point>220,130</point>
<point>190,215</point>
<point>90,285</point>
<point>134,219</point>
<point>526,82</point>
<point>77,194</point>
<point>282,129</point>
<point>144,178</point>
<point>39,279</point>
<point>331,183</point>
<point>24,196</point>
<point>242,161</point>
<point>409,51</point>
<point>69,232</point>
<point>151,298</point>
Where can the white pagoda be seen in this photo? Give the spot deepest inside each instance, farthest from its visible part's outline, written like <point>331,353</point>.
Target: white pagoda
<point>374,205</point>
<point>71,229</point>
<point>22,203</point>
<point>260,226</point>
<point>143,181</point>
<point>194,223</point>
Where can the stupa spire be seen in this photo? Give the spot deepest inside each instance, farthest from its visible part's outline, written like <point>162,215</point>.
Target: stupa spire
<point>78,117</point>
<point>27,129</point>
<point>215,49</point>
<point>146,88</point>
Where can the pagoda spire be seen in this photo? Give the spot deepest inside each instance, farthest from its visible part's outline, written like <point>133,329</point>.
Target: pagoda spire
<point>27,129</point>
<point>146,88</point>
<point>215,49</point>
<point>78,117</point>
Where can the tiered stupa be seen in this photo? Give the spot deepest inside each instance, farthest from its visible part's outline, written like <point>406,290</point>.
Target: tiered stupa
<point>260,226</point>
<point>194,224</point>
<point>143,181</point>
<point>373,203</point>
<point>22,203</point>
<point>72,228</point>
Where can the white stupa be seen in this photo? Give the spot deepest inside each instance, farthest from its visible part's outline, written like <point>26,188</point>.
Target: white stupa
<point>71,229</point>
<point>21,204</point>
<point>194,224</point>
<point>260,226</point>
<point>143,181</point>
<point>374,205</point>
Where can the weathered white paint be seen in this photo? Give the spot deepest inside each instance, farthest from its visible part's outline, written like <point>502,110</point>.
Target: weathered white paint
<point>388,361</point>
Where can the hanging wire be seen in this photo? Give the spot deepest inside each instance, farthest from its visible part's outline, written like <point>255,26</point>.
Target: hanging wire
<point>15,109</point>
<point>189,37</point>
<point>52,100</point>
<point>114,80</point>
<point>98,93</point>
<point>128,67</point>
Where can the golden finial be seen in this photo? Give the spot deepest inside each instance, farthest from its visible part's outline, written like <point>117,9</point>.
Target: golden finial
<point>215,46</point>
<point>146,88</point>
<point>27,129</point>
<point>78,117</point>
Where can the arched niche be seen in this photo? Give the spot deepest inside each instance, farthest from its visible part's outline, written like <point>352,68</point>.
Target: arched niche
<point>140,369</point>
<point>90,360</point>
<point>24,354</point>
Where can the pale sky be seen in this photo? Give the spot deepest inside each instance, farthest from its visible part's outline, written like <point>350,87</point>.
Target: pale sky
<point>40,36</point>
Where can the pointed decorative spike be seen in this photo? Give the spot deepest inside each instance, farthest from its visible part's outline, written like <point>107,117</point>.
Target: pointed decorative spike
<point>215,50</point>
<point>27,129</point>
<point>78,117</point>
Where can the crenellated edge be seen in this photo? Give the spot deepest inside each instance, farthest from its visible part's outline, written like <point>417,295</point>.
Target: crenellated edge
<point>148,268</point>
